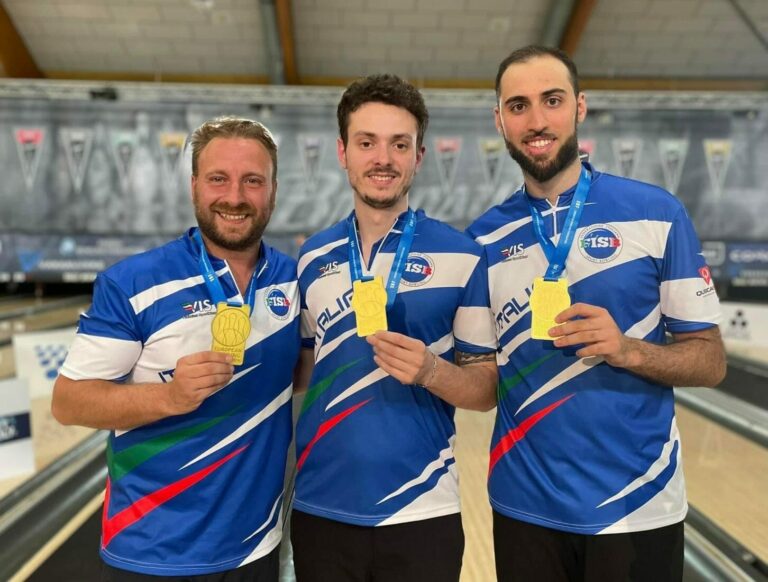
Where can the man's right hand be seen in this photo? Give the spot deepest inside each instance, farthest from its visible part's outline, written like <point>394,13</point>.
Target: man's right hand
<point>196,377</point>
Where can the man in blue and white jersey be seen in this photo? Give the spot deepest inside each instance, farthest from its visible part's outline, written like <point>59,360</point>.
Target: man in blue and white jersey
<point>585,478</point>
<point>199,437</point>
<point>377,495</point>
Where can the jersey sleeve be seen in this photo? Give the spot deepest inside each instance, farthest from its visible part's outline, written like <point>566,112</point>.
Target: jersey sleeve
<point>307,324</point>
<point>108,341</point>
<point>473,324</point>
<point>688,298</point>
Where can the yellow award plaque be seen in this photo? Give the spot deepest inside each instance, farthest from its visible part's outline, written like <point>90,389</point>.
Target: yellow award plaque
<point>230,329</point>
<point>369,301</point>
<point>548,299</point>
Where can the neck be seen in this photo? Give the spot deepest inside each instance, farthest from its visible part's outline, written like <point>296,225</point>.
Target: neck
<point>241,263</point>
<point>552,188</point>
<point>374,223</point>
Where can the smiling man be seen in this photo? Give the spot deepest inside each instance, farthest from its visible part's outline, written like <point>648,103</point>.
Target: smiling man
<point>587,274</point>
<point>390,299</point>
<point>171,358</point>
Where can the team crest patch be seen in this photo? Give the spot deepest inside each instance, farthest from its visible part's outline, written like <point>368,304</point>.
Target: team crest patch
<point>419,269</point>
<point>600,243</point>
<point>278,303</point>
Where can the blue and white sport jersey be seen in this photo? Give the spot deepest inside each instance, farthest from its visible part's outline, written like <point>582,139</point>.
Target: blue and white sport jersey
<point>199,492</point>
<point>372,451</point>
<point>579,445</point>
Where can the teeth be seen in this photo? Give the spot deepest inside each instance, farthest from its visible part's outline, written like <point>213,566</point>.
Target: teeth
<point>232,216</point>
<point>380,177</point>
<point>540,143</point>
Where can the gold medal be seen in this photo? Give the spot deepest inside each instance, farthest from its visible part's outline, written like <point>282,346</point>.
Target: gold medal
<point>369,302</point>
<point>548,299</point>
<point>231,328</point>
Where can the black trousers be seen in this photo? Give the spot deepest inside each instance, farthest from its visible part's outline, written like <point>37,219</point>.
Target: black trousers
<point>527,552</point>
<point>265,569</point>
<point>419,551</point>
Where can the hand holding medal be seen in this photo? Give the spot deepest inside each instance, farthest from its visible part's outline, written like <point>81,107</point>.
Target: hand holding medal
<point>230,329</point>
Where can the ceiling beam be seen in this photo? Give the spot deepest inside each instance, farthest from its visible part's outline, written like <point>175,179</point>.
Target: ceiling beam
<point>556,22</point>
<point>593,83</point>
<point>286,32</point>
<point>14,56</point>
<point>577,23</point>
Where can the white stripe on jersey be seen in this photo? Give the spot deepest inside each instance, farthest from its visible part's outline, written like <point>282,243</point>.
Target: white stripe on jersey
<point>661,463</point>
<point>442,345</point>
<point>327,349</point>
<point>668,506</point>
<point>506,230</point>
<point>267,544</point>
<point>439,463</point>
<point>319,252</point>
<point>361,384</point>
<point>275,505</point>
<point>94,357</point>
<point>146,298</point>
<point>467,326</point>
<point>442,499</point>
<point>679,300</point>
<point>249,425</point>
<point>506,351</point>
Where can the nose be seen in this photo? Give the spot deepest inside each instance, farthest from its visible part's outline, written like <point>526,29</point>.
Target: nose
<point>235,193</point>
<point>537,119</point>
<point>383,155</point>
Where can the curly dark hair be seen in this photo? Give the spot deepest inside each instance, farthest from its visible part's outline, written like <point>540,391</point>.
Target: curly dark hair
<point>386,88</point>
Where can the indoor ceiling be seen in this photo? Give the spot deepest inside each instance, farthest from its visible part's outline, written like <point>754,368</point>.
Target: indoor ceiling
<point>618,44</point>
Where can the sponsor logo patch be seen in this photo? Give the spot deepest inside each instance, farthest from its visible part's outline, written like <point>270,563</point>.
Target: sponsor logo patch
<point>513,253</point>
<point>600,243</point>
<point>331,268</point>
<point>277,302</point>
<point>705,274</point>
<point>197,308</point>
<point>419,269</point>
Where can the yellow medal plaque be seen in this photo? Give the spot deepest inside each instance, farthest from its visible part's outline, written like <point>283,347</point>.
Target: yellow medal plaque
<point>369,301</point>
<point>230,329</point>
<point>548,299</point>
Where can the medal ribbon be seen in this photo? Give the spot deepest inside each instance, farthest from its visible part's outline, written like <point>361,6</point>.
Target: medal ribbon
<point>398,265</point>
<point>558,256</point>
<point>213,283</point>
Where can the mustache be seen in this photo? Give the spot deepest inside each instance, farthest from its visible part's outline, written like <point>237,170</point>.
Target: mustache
<point>241,208</point>
<point>383,170</point>
<point>538,135</point>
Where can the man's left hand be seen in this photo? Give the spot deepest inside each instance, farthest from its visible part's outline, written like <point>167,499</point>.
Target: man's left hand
<point>404,358</point>
<point>596,329</point>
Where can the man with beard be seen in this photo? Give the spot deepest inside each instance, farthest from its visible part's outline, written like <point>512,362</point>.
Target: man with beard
<point>390,298</point>
<point>198,402</point>
<point>587,273</point>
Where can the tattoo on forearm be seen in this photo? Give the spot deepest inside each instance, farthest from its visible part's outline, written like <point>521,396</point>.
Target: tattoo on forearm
<point>465,359</point>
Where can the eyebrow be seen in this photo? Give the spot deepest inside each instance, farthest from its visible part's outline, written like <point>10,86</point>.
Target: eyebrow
<point>397,136</point>
<point>547,93</point>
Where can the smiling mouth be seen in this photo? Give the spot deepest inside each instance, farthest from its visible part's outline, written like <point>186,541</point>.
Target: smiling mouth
<point>231,217</point>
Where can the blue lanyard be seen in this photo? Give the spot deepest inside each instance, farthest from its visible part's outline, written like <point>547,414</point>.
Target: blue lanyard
<point>213,283</point>
<point>401,256</point>
<point>558,256</point>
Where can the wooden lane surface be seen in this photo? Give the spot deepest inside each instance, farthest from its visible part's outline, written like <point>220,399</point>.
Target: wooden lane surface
<point>727,479</point>
<point>473,436</point>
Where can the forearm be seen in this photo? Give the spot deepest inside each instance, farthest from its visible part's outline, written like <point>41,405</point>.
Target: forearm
<point>108,405</point>
<point>694,361</point>
<point>471,385</point>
